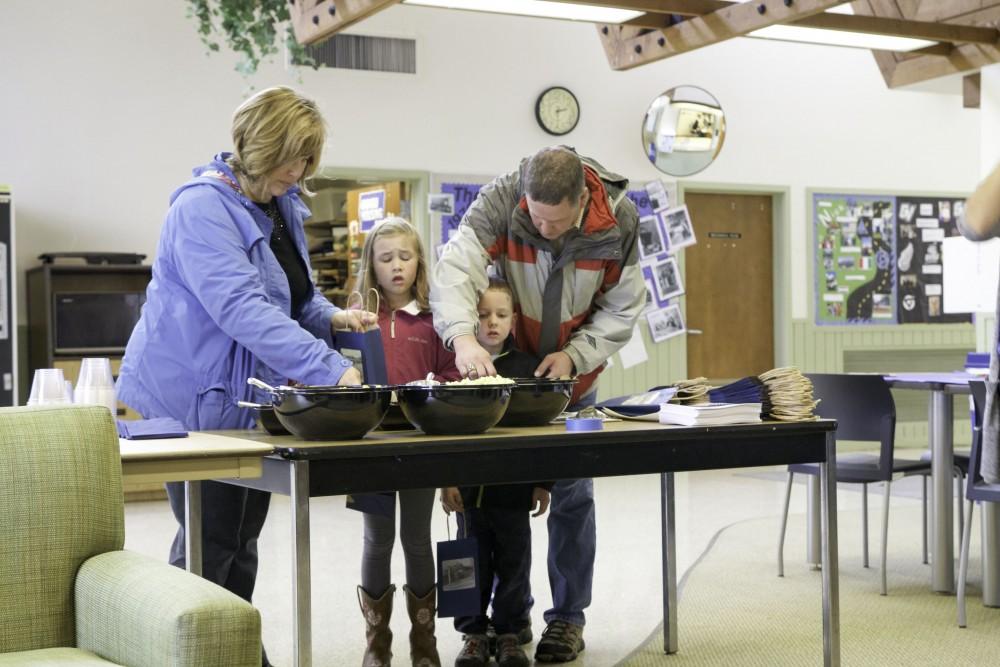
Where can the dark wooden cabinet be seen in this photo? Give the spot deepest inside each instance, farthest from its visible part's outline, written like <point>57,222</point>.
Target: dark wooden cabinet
<point>8,330</point>
<point>48,283</point>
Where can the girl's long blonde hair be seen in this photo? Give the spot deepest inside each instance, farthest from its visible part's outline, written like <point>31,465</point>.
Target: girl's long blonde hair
<point>395,226</point>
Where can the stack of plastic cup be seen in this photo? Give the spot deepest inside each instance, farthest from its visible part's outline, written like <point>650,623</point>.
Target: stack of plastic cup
<point>49,388</point>
<point>96,386</point>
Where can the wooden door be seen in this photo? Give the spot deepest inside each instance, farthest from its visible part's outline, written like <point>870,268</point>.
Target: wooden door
<point>729,282</point>
<point>392,196</point>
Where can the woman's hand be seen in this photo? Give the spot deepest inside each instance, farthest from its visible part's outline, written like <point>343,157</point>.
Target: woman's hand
<point>350,377</point>
<point>555,365</point>
<point>451,500</point>
<point>353,319</point>
<point>471,359</point>
<point>539,501</point>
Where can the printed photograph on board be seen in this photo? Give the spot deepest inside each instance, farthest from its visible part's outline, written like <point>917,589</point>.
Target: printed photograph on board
<point>666,323</point>
<point>668,279</point>
<point>651,241</point>
<point>677,223</point>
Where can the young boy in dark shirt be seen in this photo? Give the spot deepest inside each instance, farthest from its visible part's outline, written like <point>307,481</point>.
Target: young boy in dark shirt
<point>497,516</point>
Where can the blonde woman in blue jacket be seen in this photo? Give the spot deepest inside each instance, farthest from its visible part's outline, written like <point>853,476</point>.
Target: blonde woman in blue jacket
<point>231,297</point>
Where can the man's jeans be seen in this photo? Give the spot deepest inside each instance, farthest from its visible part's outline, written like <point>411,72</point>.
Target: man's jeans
<point>572,547</point>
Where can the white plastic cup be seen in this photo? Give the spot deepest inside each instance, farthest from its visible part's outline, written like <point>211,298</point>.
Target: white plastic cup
<point>96,385</point>
<point>95,372</point>
<point>104,396</point>
<point>48,387</point>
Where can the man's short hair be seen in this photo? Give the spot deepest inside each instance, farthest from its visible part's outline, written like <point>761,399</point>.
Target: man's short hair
<point>553,175</point>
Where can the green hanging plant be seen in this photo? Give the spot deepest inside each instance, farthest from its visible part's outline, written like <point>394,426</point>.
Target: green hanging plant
<point>249,28</point>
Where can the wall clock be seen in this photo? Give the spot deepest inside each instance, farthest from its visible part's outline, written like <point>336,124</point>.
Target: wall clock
<point>557,110</point>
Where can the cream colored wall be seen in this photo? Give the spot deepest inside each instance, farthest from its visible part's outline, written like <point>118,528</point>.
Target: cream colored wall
<point>104,110</point>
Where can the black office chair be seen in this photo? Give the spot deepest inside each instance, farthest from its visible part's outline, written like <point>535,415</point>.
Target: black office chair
<point>976,490</point>
<point>864,410</point>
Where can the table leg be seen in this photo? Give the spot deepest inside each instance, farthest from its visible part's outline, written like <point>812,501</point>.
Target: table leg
<point>192,526</point>
<point>991,554</point>
<point>939,417</point>
<point>813,521</point>
<point>669,562</point>
<point>301,576</point>
<point>831,572</point>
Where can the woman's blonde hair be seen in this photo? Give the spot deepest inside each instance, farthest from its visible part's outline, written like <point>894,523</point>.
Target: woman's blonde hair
<point>395,227</point>
<point>274,127</point>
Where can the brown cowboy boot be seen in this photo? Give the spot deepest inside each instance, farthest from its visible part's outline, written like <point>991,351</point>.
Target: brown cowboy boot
<point>377,632</point>
<point>423,644</point>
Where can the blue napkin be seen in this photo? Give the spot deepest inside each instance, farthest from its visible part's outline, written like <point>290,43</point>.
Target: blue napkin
<point>147,429</point>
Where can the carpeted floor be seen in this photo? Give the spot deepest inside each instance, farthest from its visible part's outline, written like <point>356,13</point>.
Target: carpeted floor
<point>734,610</point>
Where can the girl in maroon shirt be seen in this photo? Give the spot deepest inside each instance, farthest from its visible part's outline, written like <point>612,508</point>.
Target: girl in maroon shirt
<point>393,263</point>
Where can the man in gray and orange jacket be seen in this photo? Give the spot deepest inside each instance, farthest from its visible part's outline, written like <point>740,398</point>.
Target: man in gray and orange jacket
<point>561,231</point>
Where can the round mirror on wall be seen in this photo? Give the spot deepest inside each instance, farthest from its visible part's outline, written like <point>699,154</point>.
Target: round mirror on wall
<point>683,130</point>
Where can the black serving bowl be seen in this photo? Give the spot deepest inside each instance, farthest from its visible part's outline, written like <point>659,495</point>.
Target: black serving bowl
<point>268,420</point>
<point>537,401</point>
<point>330,413</point>
<point>395,420</point>
<point>454,409</point>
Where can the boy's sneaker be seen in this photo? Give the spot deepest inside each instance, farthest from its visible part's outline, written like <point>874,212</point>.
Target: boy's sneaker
<point>561,642</point>
<point>475,652</point>
<point>523,635</point>
<point>510,653</point>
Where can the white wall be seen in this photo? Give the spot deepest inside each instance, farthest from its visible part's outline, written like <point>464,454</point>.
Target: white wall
<point>104,109</point>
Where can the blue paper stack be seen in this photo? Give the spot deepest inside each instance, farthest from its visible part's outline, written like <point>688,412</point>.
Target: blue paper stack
<point>745,390</point>
<point>148,429</point>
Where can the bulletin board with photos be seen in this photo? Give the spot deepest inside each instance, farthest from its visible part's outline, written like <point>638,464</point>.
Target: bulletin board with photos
<point>922,226</point>
<point>663,231</point>
<point>879,260</point>
<point>450,197</point>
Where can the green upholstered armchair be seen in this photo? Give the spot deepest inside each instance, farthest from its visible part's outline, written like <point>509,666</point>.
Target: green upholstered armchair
<point>69,595</point>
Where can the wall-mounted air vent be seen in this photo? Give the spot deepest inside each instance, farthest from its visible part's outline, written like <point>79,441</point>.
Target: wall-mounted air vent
<point>376,54</point>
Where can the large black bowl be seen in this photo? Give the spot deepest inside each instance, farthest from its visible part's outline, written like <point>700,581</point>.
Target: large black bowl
<point>454,409</point>
<point>268,420</point>
<point>537,401</point>
<point>395,420</point>
<point>330,413</point>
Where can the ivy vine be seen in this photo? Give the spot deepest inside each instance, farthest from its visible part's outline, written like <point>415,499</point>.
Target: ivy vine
<point>249,28</point>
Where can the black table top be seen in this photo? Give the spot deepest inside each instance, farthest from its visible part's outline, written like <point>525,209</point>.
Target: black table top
<point>409,459</point>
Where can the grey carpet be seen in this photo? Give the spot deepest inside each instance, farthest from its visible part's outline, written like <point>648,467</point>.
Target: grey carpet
<point>734,610</point>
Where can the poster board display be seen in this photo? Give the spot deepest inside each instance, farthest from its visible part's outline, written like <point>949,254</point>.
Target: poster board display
<point>880,260</point>
<point>855,247</point>
<point>923,225</point>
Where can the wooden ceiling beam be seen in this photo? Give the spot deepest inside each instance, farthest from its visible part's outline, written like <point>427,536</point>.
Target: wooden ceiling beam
<point>938,32</point>
<point>731,21</point>
<point>316,20</point>
<point>971,92</point>
<point>656,17</point>
<point>961,59</point>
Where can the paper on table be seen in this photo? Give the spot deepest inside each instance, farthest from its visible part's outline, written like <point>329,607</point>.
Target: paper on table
<point>971,272</point>
<point>634,352</point>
